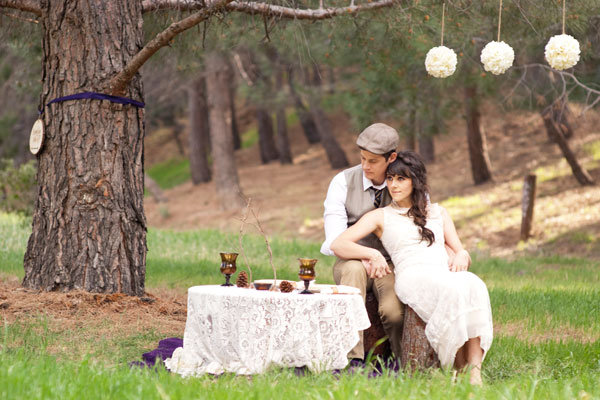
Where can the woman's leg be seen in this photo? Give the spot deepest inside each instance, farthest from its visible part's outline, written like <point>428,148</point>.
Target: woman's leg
<point>474,356</point>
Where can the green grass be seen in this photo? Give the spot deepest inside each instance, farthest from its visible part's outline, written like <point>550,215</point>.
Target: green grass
<point>545,298</point>
<point>170,173</point>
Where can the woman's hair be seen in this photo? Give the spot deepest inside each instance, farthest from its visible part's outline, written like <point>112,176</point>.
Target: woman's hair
<point>409,164</point>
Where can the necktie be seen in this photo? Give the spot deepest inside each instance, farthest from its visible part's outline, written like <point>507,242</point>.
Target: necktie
<point>378,196</point>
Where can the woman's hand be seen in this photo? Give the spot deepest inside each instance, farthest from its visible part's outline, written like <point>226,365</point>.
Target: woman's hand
<point>376,265</point>
<point>460,262</point>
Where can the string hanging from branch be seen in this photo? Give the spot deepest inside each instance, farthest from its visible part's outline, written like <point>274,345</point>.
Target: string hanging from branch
<point>441,61</point>
<point>497,57</point>
<point>562,51</point>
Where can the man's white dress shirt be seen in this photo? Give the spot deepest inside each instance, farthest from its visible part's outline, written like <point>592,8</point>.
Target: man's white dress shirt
<point>335,216</point>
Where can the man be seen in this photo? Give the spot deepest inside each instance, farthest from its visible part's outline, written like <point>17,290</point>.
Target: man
<point>352,193</point>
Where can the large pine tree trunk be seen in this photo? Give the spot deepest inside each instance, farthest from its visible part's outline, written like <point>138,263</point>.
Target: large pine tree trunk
<point>478,154</point>
<point>89,228</point>
<point>199,132</point>
<point>219,116</point>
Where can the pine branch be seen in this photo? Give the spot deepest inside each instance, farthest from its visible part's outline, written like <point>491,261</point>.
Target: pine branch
<point>119,83</point>
<point>271,10</point>
<point>32,6</point>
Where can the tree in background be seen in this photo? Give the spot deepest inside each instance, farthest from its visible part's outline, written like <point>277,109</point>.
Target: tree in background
<point>89,227</point>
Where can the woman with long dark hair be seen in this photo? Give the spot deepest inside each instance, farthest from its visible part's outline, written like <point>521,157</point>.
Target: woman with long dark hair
<point>453,302</point>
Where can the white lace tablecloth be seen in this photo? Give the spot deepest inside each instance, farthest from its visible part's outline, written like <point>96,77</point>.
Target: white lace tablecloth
<point>246,331</point>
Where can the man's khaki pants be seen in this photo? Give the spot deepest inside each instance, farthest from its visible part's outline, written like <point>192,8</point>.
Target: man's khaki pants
<point>353,273</point>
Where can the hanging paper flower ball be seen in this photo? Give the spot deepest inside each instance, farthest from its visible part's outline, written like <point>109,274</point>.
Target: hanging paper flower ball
<point>497,57</point>
<point>562,51</point>
<point>440,62</point>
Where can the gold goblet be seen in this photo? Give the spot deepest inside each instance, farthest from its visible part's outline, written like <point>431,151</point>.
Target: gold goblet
<point>307,272</point>
<point>228,266</point>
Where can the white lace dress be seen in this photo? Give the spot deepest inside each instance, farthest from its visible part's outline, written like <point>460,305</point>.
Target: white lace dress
<point>454,305</point>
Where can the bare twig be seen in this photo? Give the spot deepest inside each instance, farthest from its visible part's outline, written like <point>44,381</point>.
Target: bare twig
<point>32,6</point>
<point>241,235</point>
<point>241,69</point>
<point>262,231</point>
<point>566,79</point>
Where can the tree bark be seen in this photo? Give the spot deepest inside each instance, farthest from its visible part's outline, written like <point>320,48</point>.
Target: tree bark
<point>527,206</point>
<point>415,351</point>
<point>582,176</point>
<point>556,121</point>
<point>89,228</point>
<point>427,148</point>
<point>235,131</point>
<point>335,153</point>
<point>411,142</point>
<point>266,143</point>
<point>219,116</point>
<point>283,142</point>
<point>306,120</point>
<point>478,154</point>
<point>199,132</point>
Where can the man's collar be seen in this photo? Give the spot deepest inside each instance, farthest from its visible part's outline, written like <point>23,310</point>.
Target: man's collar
<point>367,183</point>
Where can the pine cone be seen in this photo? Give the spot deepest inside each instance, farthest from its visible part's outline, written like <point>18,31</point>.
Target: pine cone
<point>286,287</point>
<point>242,280</point>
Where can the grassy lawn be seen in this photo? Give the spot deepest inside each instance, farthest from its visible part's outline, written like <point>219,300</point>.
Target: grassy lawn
<point>546,317</point>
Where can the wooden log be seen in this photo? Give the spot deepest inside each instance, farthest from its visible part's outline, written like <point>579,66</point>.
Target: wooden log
<point>527,206</point>
<point>415,351</point>
<point>375,331</point>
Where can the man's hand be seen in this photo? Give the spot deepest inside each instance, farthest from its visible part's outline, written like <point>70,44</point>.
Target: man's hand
<point>376,265</point>
<point>460,262</point>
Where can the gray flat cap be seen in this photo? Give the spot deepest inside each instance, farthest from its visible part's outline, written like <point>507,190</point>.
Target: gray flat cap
<point>378,139</point>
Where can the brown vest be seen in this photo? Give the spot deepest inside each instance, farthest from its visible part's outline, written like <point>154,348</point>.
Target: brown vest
<point>359,202</point>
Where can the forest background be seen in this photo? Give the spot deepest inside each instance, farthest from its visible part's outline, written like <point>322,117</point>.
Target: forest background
<point>298,93</point>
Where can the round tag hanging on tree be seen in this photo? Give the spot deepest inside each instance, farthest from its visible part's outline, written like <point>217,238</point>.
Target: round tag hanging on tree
<point>497,57</point>
<point>441,61</point>
<point>562,51</point>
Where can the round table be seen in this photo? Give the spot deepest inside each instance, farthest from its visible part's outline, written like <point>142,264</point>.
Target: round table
<point>245,331</point>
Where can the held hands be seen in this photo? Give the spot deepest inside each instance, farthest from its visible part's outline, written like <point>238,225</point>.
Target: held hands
<point>460,262</point>
<point>376,265</point>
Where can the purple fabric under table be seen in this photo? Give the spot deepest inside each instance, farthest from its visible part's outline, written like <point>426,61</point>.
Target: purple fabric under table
<point>165,350</point>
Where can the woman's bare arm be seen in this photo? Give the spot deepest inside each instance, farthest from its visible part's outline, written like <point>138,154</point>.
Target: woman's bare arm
<point>461,260</point>
<point>346,246</point>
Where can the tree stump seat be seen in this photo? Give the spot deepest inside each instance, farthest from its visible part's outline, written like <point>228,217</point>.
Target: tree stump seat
<point>415,351</point>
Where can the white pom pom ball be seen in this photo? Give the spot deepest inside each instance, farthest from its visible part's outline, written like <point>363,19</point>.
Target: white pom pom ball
<point>440,62</point>
<point>497,57</point>
<point>562,51</point>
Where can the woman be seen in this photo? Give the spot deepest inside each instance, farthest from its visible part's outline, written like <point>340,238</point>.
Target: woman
<point>453,302</point>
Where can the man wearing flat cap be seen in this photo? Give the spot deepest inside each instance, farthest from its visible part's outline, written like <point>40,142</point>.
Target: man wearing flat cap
<point>351,194</point>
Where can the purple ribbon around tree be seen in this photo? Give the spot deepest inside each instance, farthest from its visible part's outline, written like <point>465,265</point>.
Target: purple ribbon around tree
<point>96,96</point>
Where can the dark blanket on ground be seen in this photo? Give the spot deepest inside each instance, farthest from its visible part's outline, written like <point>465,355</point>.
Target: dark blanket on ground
<point>165,350</point>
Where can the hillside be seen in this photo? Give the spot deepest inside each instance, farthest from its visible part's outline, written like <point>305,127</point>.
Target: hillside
<point>290,198</point>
